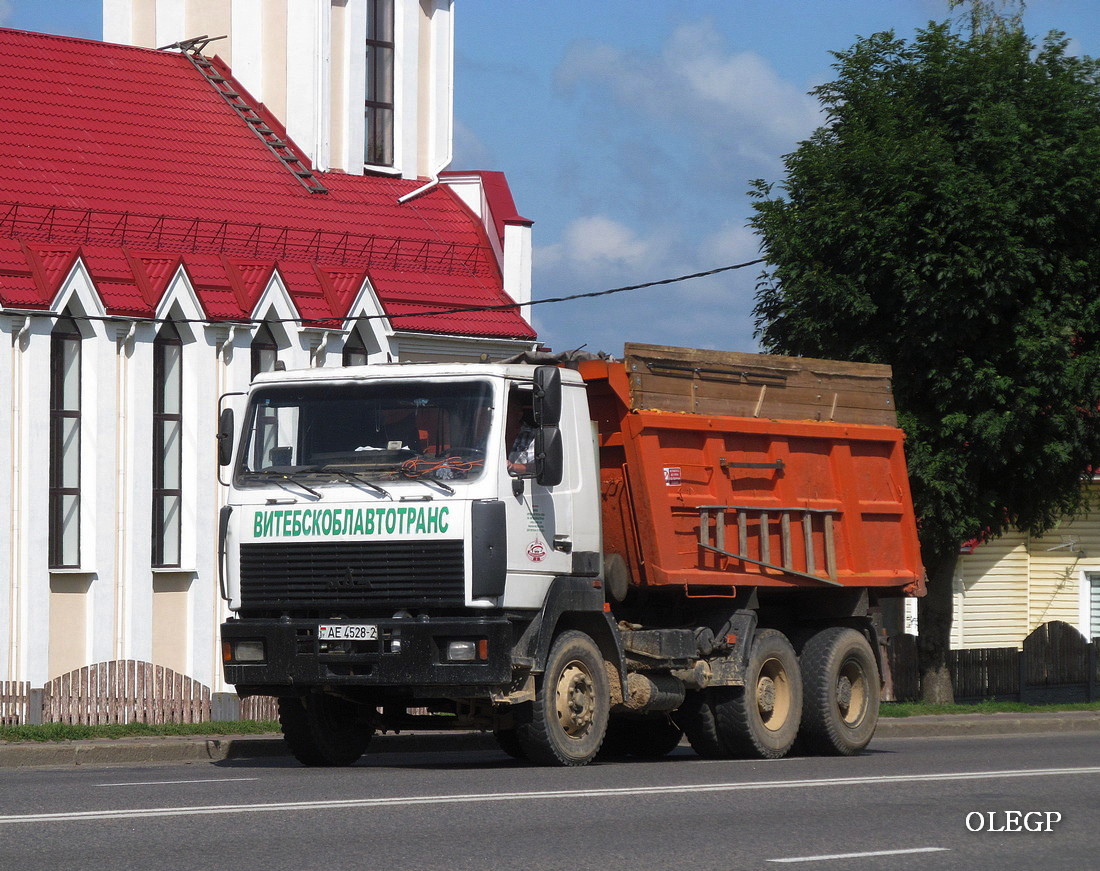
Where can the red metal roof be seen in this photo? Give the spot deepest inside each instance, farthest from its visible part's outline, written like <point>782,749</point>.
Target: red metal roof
<point>131,160</point>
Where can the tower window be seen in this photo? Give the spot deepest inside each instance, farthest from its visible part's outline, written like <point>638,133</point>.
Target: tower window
<point>379,102</point>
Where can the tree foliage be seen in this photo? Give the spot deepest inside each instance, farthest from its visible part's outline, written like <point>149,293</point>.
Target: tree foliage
<point>945,219</point>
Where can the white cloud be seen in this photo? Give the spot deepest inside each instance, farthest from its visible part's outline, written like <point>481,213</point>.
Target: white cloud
<point>733,103</point>
<point>596,247</point>
<point>599,253</point>
<point>729,244</point>
<point>470,151</point>
<point>5,11</point>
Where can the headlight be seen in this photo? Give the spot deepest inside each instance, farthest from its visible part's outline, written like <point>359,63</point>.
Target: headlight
<point>468,650</point>
<point>244,651</point>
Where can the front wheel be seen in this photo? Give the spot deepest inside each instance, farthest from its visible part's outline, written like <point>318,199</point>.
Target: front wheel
<point>566,723</point>
<point>841,701</point>
<point>323,730</point>
<point>762,718</point>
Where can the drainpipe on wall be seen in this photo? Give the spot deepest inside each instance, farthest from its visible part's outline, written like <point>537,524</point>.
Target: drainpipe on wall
<point>124,336</point>
<point>20,327</point>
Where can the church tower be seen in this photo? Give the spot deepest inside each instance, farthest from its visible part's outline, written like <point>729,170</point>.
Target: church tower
<point>362,86</point>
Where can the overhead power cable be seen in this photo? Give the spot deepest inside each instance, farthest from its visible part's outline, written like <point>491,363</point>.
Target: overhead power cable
<point>420,314</point>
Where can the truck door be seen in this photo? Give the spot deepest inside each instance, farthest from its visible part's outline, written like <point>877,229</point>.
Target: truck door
<point>540,519</point>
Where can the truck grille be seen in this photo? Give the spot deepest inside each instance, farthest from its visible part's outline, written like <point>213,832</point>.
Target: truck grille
<point>305,576</point>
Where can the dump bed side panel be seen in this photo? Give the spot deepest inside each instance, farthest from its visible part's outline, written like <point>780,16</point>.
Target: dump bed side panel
<point>713,500</point>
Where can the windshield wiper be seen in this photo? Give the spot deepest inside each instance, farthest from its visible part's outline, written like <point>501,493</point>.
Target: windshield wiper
<point>370,485</point>
<point>293,480</point>
<point>446,488</point>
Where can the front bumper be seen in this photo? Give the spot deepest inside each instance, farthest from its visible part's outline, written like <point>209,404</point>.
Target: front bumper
<point>409,654</point>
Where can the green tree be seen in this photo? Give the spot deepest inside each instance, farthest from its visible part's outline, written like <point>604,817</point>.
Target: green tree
<point>945,220</point>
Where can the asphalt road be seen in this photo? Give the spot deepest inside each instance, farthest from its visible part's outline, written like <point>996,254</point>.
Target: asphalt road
<point>907,804</point>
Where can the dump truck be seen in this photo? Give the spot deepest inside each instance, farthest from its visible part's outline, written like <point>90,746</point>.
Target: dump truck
<point>584,557</point>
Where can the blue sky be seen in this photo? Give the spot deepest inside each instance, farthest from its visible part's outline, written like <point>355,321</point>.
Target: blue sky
<point>629,131</point>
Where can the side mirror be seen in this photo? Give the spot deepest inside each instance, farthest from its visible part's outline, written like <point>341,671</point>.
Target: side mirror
<point>547,396</point>
<point>225,437</point>
<point>549,456</point>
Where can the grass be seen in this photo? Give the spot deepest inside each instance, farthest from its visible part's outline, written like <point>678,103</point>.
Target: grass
<point>916,709</point>
<point>65,732</point>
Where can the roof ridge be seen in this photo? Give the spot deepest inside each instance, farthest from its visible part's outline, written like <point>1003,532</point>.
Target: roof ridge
<point>60,37</point>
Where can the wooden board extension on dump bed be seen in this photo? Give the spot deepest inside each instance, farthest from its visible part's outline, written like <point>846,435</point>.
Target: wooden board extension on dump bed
<point>758,385</point>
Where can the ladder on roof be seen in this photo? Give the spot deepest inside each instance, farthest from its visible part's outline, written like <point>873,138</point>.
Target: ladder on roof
<point>192,50</point>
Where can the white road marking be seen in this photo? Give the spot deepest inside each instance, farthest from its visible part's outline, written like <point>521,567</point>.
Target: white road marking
<point>167,782</point>
<point>570,794</point>
<point>863,855</point>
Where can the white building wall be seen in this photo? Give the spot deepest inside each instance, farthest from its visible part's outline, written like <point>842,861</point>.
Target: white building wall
<point>1010,586</point>
<point>31,547</point>
<point>305,60</point>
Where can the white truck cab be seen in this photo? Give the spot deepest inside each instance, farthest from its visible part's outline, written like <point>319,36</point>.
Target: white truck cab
<point>393,531</point>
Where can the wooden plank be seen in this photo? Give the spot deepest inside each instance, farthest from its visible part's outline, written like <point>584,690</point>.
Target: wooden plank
<point>786,410</point>
<point>157,698</point>
<point>741,360</point>
<point>785,540</point>
<point>765,538</point>
<point>822,394</point>
<point>146,692</point>
<point>758,385</point>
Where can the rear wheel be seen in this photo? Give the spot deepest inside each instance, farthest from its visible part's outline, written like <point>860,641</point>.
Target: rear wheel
<point>761,719</point>
<point>323,730</point>
<point>841,696</point>
<point>565,724</point>
<point>698,717</point>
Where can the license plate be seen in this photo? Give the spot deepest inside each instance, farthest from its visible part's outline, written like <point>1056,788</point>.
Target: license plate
<point>347,632</point>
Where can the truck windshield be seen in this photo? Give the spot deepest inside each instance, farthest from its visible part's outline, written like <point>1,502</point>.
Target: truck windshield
<point>376,431</point>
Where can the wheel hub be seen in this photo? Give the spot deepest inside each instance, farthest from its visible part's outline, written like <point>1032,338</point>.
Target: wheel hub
<point>576,701</point>
<point>844,694</point>
<point>765,695</point>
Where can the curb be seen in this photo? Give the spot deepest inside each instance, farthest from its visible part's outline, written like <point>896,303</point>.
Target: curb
<point>183,749</point>
<point>962,725</point>
<point>169,750</point>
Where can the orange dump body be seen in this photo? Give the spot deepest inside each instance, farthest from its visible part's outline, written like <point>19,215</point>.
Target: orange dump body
<point>704,500</point>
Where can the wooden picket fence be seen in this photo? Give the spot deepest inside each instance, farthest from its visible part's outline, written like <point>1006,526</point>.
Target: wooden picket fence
<point>14,702</point>
<point>1057,664</point>
<point>123,691</point>
<point>260,708</point>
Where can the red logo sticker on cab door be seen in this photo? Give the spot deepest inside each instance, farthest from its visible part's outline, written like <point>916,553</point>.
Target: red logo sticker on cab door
<point>536,551</point>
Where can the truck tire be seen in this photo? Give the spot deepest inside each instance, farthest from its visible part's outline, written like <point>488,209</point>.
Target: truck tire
<point>323,730</point>
<point>566,723</point>
<point>698,717</point>
<point>761,719</point>
<point>840,692</point>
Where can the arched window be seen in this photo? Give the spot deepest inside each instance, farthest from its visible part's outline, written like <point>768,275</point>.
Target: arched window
<point>355,352</point>
<point>167,445</point>
<point>265,352</point>
<point>64,486</point>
